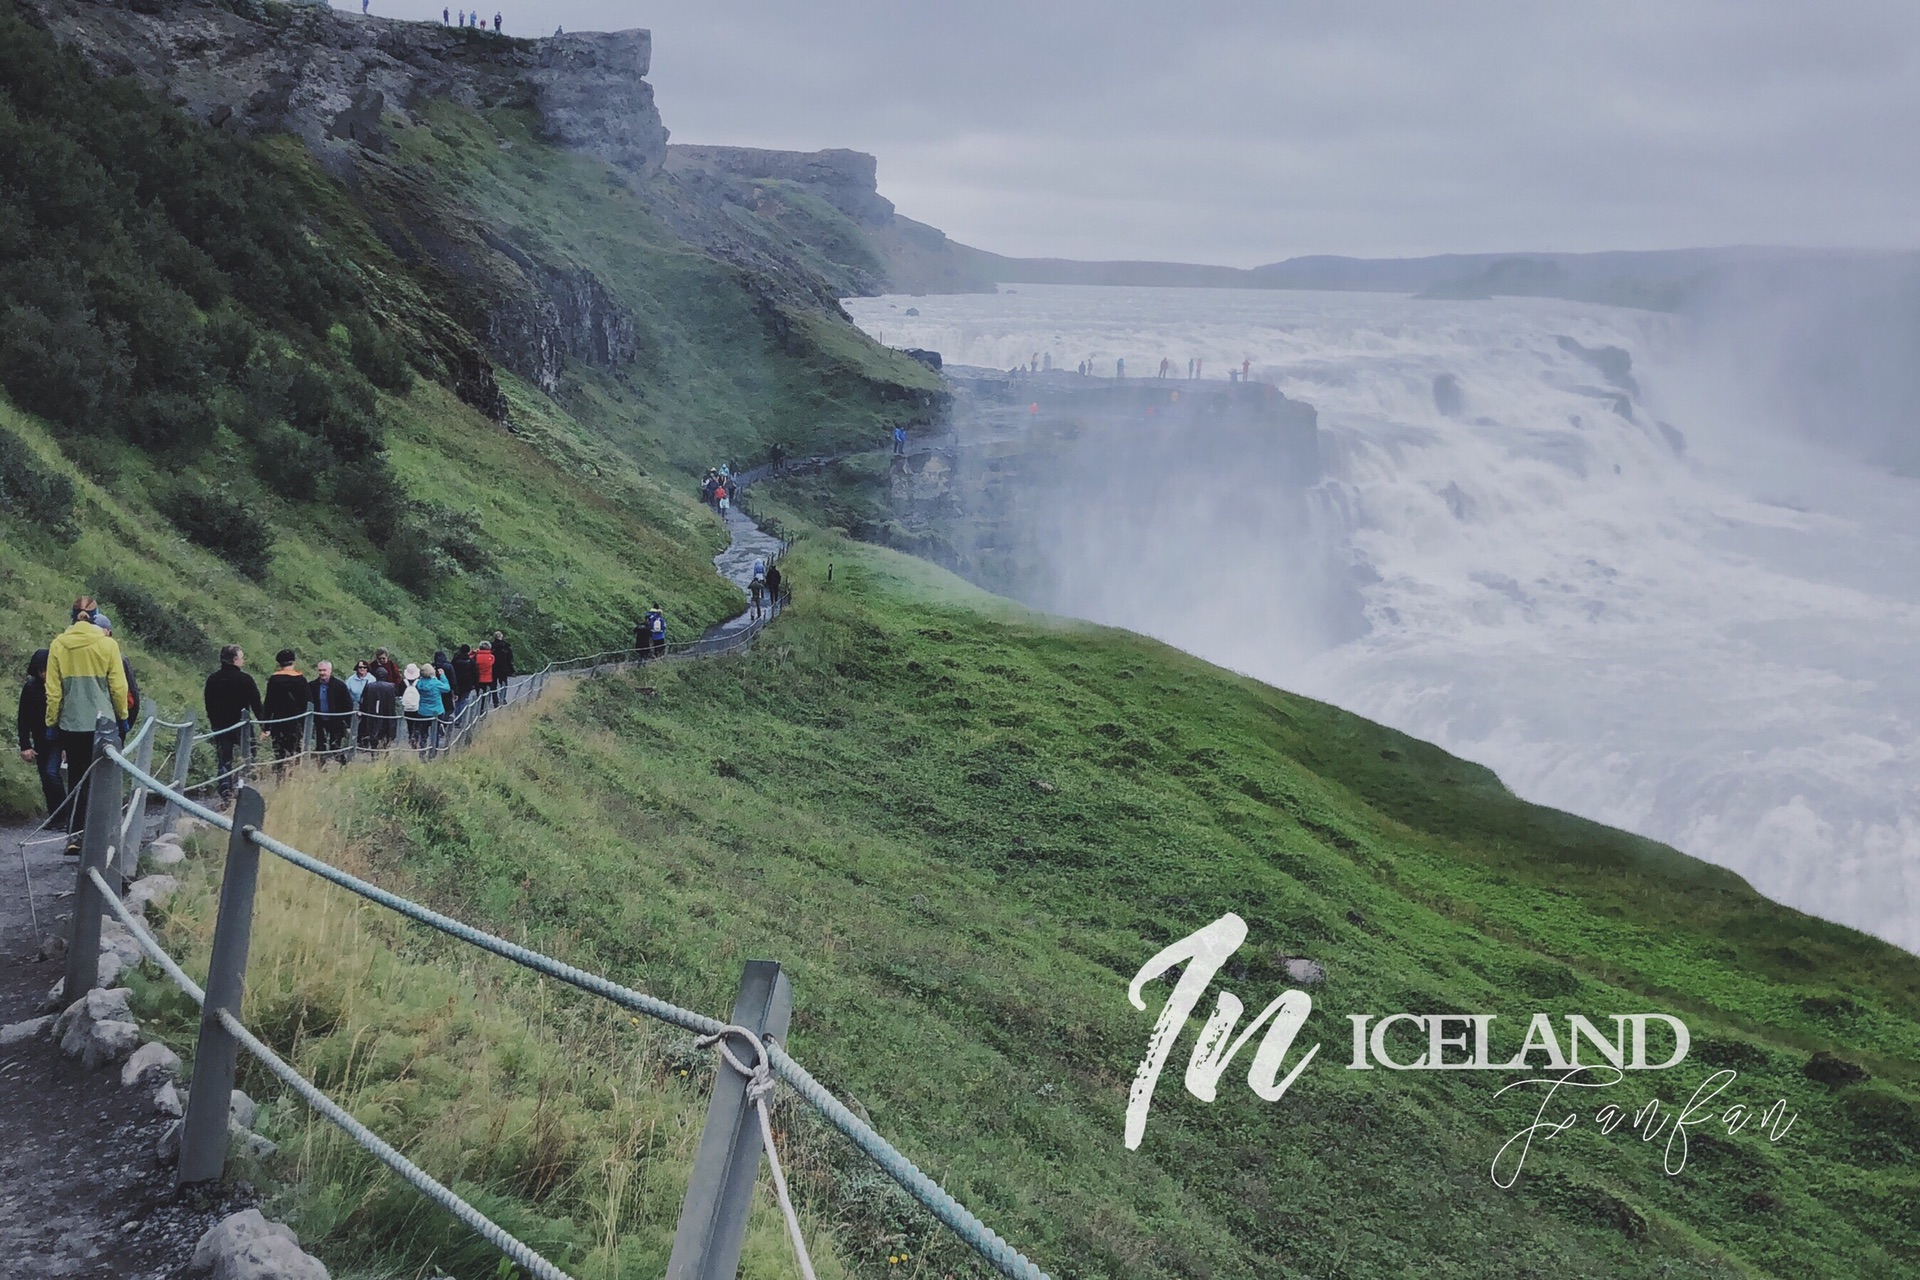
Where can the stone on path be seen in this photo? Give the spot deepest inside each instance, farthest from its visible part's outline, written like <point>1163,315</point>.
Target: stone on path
<point>243,1110</point>
<point>150,1063</point>
<point>166,855</point>
<point>246,1246</point>
<point>98,1028</point>
<point>166,1100</point>
<point>31,1029</point>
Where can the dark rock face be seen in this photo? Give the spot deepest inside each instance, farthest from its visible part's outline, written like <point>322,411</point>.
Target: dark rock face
<point>329,78</point>
<point>1614,363</point>
<point>847,180</point>
<point>562,316</point>
<point>1446,394</point>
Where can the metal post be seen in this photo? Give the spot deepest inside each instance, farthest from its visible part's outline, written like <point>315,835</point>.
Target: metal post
<point>103,823</point>
<point>203,1135</point>
<point>182,770</point>
<point>243,757</point>
<point>713,1219</point>
<point>133,830</point>
<point>306,732</point>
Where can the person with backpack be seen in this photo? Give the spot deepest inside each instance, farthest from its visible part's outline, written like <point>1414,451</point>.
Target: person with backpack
<point>417,721</point>
<point>85,679</point>
<point>656,632</point>
<point>757,587</point>
<point>30,727</point>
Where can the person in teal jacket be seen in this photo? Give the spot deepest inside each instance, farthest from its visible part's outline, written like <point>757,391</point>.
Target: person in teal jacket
<point>434,690</point>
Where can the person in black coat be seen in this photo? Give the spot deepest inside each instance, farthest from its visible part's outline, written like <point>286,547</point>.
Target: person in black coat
<point>30,726</point>
<point>379,714</point>
<point>231,695</point>
<point>332,712</point>
<point>502,659</point>
<point>466,677</point>
<point>286,703</point>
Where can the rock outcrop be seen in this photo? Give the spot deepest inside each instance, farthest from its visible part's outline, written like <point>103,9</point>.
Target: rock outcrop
<point>334,79</point>
<point>847,180</point>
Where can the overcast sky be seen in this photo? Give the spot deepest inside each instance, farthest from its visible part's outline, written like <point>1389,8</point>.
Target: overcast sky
<point>1248,132</point>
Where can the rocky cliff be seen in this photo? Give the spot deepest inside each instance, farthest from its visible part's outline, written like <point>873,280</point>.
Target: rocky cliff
<point>331,79</point>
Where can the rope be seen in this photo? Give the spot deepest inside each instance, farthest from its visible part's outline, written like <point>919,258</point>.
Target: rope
<point>481,1225</point>
<point>146,940</point>
<point>759,1088</point>
<point>975,1234</point>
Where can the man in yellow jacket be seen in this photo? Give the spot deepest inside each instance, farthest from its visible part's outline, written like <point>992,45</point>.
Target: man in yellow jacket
<point>86,679</point>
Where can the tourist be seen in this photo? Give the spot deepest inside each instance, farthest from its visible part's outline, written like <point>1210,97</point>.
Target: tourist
<point>656,632</point>
<point>30,726</point>
<point>385,668</point>
<point>1246,367</point>
<point>332,712</point>
<point>446,19</point>
<point>105,623</point>
<point>900,440</point>
<point>434,688</point>
<point>721,499</point>
<point>1120,367</point>
<point>503,669</point>
<point>773,586</point>
<point>483,669</point>
<point>379,714</point>
<point>496,22</point>
<point>357,682</point>
<point>230,696</point>
<point>85,679</point>
<point>286,702</point>
<point>757,588</point>
<point>465,678</point>
<point>410,707</point>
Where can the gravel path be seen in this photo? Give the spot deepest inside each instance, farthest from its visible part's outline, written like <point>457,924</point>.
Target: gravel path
<point>81,1194</point>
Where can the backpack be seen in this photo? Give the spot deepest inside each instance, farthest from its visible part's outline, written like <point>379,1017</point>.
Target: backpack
<point>410,700</point>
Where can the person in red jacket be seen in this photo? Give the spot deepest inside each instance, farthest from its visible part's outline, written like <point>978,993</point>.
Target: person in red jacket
<point>483,672</point>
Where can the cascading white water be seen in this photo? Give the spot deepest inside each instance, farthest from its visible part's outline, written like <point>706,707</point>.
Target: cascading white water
<point>1703,631</point>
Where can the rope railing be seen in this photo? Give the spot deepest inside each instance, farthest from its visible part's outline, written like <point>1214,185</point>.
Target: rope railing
<point>219,1013</point>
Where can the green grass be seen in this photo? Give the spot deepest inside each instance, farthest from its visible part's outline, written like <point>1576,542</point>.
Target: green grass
<point>857,798</point>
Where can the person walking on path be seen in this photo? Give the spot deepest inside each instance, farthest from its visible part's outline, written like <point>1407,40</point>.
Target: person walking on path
<point>502,664</point>
<point>756,590</point>
<point>483,669</point>
<point>721,498</point>
<point>465,678</point>
<point>286,703</point>
<point>357,682</point>
<point>773,586</point>
<point>105,623</point>
<point>230,696</point>
<point>434,689</point>
<point>30,727</point>
<point>332,713</point>
<point>385,668</point>
<point>379,714</point>
<point>655,624</point>
<point>410,707</point>
<point>86,679</point>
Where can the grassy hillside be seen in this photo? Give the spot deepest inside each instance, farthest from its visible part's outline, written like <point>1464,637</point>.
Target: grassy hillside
<point>243,400</point>
<point>963,828</point>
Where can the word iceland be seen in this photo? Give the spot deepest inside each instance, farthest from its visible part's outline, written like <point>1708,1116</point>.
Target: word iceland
<point>1422,1042</point>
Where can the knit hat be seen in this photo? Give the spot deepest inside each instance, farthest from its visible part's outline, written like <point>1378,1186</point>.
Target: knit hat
<point>413,671</point>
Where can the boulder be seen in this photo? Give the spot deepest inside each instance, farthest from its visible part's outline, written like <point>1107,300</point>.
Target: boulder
<point>245,1246</point>
<point>1304,971</point>
<point>242,1109</point>
<point>149,1064</point>
<point>97,1028</point>
<point>148,890</point>
<point>53,947</point>
<point>166,855</point>
<point>166,1101</point>
<point>31,1029</point>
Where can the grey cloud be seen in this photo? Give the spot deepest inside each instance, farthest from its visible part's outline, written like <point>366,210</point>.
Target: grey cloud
<point>1247,132</point>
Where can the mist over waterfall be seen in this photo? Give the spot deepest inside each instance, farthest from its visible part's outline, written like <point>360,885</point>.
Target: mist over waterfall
<point>1646,567</point>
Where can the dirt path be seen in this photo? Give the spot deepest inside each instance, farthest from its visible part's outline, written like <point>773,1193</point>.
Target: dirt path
<point>81,1194</point>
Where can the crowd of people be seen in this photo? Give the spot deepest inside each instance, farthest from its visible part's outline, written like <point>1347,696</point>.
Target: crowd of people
<point>82,675</point>
<point>373,704</point>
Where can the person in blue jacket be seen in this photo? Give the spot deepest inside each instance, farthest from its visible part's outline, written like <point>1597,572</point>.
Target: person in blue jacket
<point>434,690</point>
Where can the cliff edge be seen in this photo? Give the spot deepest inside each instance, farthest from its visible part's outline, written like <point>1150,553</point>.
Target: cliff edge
<point>330,78</point>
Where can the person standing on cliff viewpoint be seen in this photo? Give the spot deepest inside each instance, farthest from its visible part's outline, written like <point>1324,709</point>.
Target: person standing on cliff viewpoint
<point>446,19</point>
<point>496,22</point>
